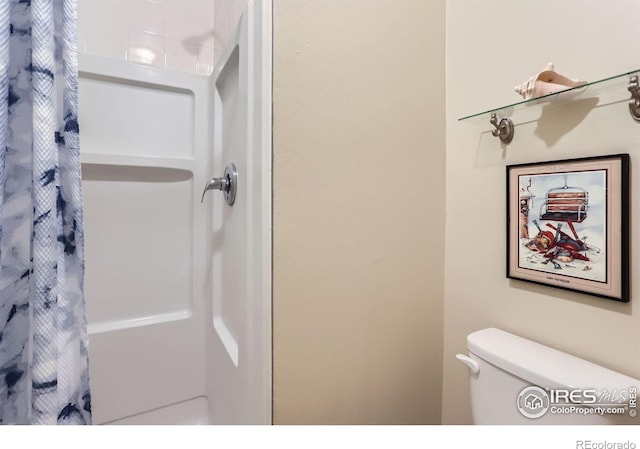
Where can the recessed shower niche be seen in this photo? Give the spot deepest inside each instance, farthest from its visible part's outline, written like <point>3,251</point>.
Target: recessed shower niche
<point>138,265</point>
<point>136,118</point>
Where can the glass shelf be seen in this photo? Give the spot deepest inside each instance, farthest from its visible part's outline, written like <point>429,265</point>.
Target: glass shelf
<point>618,83</point>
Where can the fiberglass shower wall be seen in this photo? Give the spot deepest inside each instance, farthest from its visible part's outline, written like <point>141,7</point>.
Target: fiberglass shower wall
<point>145,147</point>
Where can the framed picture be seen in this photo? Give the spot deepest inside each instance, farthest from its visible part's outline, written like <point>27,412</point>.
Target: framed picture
<point>568,224</point>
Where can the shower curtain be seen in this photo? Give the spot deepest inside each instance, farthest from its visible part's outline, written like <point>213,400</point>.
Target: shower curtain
<point>43,342</point>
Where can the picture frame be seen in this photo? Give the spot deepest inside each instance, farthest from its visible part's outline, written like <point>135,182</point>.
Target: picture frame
<point>568,224</point>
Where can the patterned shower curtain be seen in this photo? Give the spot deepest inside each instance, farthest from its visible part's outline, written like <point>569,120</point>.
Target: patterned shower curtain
<point>43,342</point>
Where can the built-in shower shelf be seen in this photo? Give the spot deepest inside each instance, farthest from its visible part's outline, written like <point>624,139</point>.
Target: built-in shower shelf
<point>608,90</point>
<point>141,168</point>
<point>137,161</point>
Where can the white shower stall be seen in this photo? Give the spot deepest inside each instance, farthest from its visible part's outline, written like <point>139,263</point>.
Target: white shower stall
<point>178,291</point>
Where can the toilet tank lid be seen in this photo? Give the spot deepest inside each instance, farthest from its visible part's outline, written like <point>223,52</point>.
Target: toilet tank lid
<point>543,366</point>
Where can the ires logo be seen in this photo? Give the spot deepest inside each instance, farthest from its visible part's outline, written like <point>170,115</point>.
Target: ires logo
<point>573,396</point>
<point>534,402</point>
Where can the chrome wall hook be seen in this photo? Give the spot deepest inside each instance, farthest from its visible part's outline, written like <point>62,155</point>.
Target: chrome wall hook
<point>634,103</point>
<point>504,128</point>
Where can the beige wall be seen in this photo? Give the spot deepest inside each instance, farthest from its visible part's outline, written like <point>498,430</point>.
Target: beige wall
<point>491,46</point>
<point>358,210</point>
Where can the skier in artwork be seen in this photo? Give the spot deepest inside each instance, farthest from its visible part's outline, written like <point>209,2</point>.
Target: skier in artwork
<point>560,247</point>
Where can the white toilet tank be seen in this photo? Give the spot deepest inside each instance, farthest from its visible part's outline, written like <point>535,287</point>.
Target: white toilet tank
<point>560,388</point>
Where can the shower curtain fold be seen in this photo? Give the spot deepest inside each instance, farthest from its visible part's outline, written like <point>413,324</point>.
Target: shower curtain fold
<point>43,342</point>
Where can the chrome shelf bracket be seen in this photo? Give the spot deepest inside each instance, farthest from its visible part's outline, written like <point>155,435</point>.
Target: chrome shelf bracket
<point>634,103</point>
<point>504,128</point>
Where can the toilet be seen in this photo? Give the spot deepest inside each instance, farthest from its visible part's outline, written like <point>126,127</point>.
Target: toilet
<point>517,381</point>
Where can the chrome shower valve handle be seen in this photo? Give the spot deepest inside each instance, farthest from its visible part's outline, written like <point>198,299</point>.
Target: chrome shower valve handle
<point>221,183</point>
<point>227,184</point>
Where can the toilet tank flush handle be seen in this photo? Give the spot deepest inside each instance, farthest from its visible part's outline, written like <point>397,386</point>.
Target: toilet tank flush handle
<point>472,364</point>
